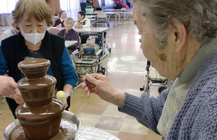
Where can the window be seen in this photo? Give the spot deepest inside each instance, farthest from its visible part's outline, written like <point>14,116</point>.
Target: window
<point>72,7</point>
<point>7,6</point>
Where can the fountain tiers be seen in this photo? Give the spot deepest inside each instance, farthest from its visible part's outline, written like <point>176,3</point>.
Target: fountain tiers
<point>40,115</point>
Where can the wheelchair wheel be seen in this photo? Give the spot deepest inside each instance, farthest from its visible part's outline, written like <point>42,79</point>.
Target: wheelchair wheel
<point>103,71</point>
<point>110,50</point>
<point>142,89</point>
<point>160,89</point>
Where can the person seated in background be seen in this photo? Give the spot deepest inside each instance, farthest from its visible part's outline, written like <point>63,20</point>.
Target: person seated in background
<point>34,41</point>
<point>82,23</point>
<point>70,34</point>
<point>14,30</point>
<point>60,22</point>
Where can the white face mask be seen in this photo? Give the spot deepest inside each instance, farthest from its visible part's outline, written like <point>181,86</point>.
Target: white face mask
<point>33,38</point>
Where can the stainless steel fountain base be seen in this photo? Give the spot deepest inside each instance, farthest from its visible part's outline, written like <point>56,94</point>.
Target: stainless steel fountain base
<point>68,127</point>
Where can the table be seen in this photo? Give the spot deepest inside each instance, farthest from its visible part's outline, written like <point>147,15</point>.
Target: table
<point>124,12</point>
<point>5,28</point>
<point>116,10</point>
<point>100,30</point>
<point>91,30</point>
<point>91,133</point>
<point>116,14</point>
<point>70,43</point>
<point>91,16</point>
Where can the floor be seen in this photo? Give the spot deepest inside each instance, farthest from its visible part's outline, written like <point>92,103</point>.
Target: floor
<point>125,70</point>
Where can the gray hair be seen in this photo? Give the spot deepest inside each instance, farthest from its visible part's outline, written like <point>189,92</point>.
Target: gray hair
<point>69,19</point>
<point>198,16</point>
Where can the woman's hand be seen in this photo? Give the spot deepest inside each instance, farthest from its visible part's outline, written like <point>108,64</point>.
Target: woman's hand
<point>100,86</point>
<point>17,97</point>
<point>9,89</point>
<point>66,88</point>
<point>8,86</point>
<point>65,102</point>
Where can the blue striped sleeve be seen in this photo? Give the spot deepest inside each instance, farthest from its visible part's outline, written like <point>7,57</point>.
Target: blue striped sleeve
<point>3,63</point>
<point>68,70</point>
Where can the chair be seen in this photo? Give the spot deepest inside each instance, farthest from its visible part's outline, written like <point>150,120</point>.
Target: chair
<point>89,60</point>
<point>101,16</point>
<point>54,30</point>
<point>103,24</point>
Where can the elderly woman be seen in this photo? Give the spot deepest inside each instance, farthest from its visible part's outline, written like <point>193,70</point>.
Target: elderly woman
<point>70,34</point>
<point>33,41</point>
<point>60,22</point>
<point>179,38</point>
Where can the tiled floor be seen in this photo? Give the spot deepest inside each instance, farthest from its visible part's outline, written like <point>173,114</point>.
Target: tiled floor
<point>125,70</point>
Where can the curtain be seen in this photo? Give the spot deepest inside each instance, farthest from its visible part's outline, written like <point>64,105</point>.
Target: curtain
<point>99,3</point>
<point>7,6</point>
<point>109,3</point>
<point>72,7</point>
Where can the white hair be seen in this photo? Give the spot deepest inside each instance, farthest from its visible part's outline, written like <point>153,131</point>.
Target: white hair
<point>198,17</point>
<point>69,19</point>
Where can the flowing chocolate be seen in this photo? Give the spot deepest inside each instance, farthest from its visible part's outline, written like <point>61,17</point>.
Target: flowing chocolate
<point>40,115</point>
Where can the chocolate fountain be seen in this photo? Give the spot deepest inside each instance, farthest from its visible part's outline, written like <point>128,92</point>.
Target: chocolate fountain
<point>40,117</point>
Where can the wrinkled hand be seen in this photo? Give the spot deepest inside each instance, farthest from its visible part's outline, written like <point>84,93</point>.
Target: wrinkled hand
<point>8,86</point>
<point>18,97</point>
<point>65,102</point>
<point>9,89</point>
<point>100,86</point>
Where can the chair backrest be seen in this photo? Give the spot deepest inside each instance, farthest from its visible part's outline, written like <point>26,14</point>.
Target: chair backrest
<point>3,21</point>
<point>102,24</point>
<point>101,14</point>
<point>54,30</point>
